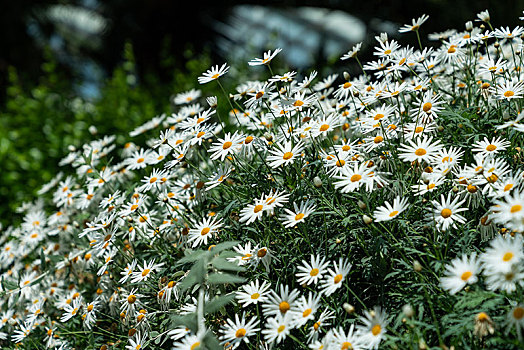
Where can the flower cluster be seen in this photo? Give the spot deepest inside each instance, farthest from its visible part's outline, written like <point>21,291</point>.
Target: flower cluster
<point>380,190</point>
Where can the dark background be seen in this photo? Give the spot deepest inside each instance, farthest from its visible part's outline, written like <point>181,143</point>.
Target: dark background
<point>154,26</point>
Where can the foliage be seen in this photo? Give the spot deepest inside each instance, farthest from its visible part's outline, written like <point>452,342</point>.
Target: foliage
<point>40,122</point>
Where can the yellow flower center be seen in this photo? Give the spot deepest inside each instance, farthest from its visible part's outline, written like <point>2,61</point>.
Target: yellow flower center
<point>419,129</point>
<point>324,127</point>
<point>516,208</point>
<point>227,144</point>
<point>140,160</point>
<point>131,299</point>
<point>420,152</point>
<point>393,213</point>
<point>378,139</point>
<point>466,276</point>
<point>284,307</point>
<point>145,272</point>
<point>200,134</point>
<point>306,312</point>
<point>355,178</point>
<point>340,163</point>
<point>314,272</point>
<point>287,155</point>
<point>446,213</point>
<point>337,278</point>
<point>215,76</point>
<point>509,93</point>
<point>507,257</point>
<point>281,328</point>
<point>430,186</point>
<point>299,216</point>
<point>255,296</point>
<point>376,329</point>
<point>492,178</point>
<point>259,94</point>
<point>240,333</point>
<point>258,208</point>
<point>196,344</point>
<point>346,345</point>
<point>508,187</point>
<point>482,317</point>
<point>472,188</point>
<point>491,148</point>
<point>427,106</point>
<point>518,313</point>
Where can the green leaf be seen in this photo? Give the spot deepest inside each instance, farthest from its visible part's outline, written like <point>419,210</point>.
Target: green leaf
<point>223,278</point>
<point>9,285</point>
<point>192,256</point>
<point>178,274</point>
<point>195,276</point>
<point>230,205</point>
<point>211,342</point>
<point>43,262</point>
<point>153,334</point>
<point>222,264</point>
<point>55,258</point>
<point>217,303</point>
<point>223,246</point>
<point>189,321</point>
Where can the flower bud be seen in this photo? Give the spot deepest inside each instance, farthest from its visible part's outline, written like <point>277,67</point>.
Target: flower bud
<point>347,76</point>
<point>361,205</point>
<point>469,26</point>
<point>367,219</point>
<point>416,266</point>
<point>317,181</point>
<point>348,308</point>
<point>408,310</point>
<point>212,101</point>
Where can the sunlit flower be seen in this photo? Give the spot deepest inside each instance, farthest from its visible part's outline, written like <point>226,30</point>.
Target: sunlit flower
<point>213,74</point>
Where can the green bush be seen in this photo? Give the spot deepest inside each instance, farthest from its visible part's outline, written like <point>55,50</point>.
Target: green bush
<point>40,121</point>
